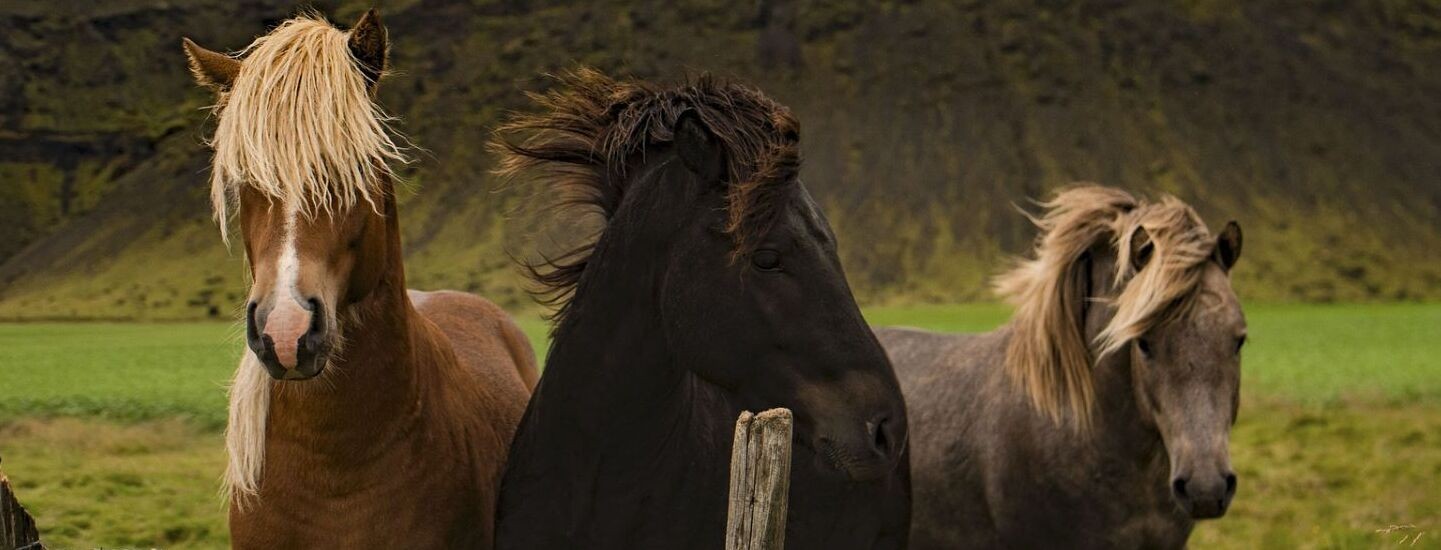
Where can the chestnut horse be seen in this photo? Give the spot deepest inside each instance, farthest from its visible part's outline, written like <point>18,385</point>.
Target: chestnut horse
<point>1100,416</point>
<point>363,415</point>
<point>713,288</point>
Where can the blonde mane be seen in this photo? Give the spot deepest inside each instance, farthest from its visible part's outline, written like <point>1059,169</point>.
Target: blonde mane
<point>245,431</point>
<point>1047,354</point>
<point>299,124</point>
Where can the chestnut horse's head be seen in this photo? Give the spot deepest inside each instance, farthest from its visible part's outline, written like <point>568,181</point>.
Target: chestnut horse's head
<point>301,152</point>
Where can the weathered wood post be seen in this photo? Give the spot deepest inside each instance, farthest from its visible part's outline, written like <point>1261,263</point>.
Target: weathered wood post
<point>760,481</point>
<point>17,528</point>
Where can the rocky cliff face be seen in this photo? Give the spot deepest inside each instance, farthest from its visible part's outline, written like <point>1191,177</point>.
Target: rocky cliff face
<point>1313,124</point>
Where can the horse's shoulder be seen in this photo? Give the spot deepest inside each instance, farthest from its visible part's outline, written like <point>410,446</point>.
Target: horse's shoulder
<point>453,302</point>
<point>897,338</point>
<point>462,315</point>
<point>482,334</point>
<point>947,378</point>
<point>911,346</point>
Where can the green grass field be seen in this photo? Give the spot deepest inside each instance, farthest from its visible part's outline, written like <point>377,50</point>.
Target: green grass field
<point>111,431</point>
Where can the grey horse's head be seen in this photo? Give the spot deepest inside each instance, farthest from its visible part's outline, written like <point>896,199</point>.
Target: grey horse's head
<point>1187,375</point>
<point>1126,288</point>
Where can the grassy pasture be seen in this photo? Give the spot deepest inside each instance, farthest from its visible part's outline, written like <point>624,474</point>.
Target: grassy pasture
<point>130,372</point>
<point>111,431</point>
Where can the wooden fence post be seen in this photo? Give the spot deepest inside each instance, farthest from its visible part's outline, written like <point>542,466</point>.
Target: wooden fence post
<point>760,481</point>
<point>17,528</point>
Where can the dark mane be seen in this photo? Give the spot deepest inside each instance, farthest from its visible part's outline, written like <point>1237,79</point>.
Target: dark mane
<point>590,124</point>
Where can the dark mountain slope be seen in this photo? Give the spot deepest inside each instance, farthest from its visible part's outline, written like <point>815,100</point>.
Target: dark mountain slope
<point>1314,124</point>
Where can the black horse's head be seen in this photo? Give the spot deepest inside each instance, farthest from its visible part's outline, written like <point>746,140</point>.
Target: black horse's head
<point>705,209</point>
<point>757,303</point>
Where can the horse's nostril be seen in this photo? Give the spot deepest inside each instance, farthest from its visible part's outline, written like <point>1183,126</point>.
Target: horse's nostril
<point>1230,484</point>
<point>1179,486</point>
<point>882,440</point>
<point>250,314</point>
<point>883,436</point>
<point>252,328</point>
<point>317,317</point>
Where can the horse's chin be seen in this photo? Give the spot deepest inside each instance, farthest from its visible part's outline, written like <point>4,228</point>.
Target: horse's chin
<point>836,457</point>
<point>295,375</point>
<point>302,372</point>
<point>869,470</point>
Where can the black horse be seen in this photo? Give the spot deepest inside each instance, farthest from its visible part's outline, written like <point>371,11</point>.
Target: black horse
<point>713,288</point>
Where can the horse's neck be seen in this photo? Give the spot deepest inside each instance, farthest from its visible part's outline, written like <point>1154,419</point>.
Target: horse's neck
<point>616,373</point>
<point>610,366</point>
<point>1120,427</point>
<point>375,378</point>
<point>610,372</point>
<point>610,417</point>
<point>1119,423</point>
<point>616,410</point>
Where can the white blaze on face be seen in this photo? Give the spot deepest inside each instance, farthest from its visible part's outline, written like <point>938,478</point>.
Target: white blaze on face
<point>289,319</point>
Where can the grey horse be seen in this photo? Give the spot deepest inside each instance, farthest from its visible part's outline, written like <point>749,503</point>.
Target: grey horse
<point>1099,417</point>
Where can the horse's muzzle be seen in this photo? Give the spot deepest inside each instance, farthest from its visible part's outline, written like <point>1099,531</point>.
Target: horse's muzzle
<point>291,341</point>
<point>1205,497</point>
<point>872,455</point>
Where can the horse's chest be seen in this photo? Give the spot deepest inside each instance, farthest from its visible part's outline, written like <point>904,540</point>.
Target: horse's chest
<point>1092,507</point>
<point>433,507</point>
<point>1150,529</point>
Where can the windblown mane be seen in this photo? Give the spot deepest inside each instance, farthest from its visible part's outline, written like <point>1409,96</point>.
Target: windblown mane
<point>1048,355</point>
<point>590,125</point>
<point>299,125</point>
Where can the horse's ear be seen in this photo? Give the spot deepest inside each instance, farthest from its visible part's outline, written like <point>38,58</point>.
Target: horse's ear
<point>1228,245</point>
<point>698,147</point>
<point>369,44</point>
<point>1141,248</point>
<point>213,70</point>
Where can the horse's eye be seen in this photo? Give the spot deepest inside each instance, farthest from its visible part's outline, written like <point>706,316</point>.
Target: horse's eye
<point>1144,345</point>
<point>1240,342</point>
<point>766,260</point>
<point>358,236</point>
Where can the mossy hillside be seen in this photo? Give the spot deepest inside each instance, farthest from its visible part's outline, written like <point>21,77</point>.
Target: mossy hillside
<point>924,124</point>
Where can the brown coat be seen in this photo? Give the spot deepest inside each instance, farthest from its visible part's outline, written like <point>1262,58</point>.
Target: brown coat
<point>406,447</point>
